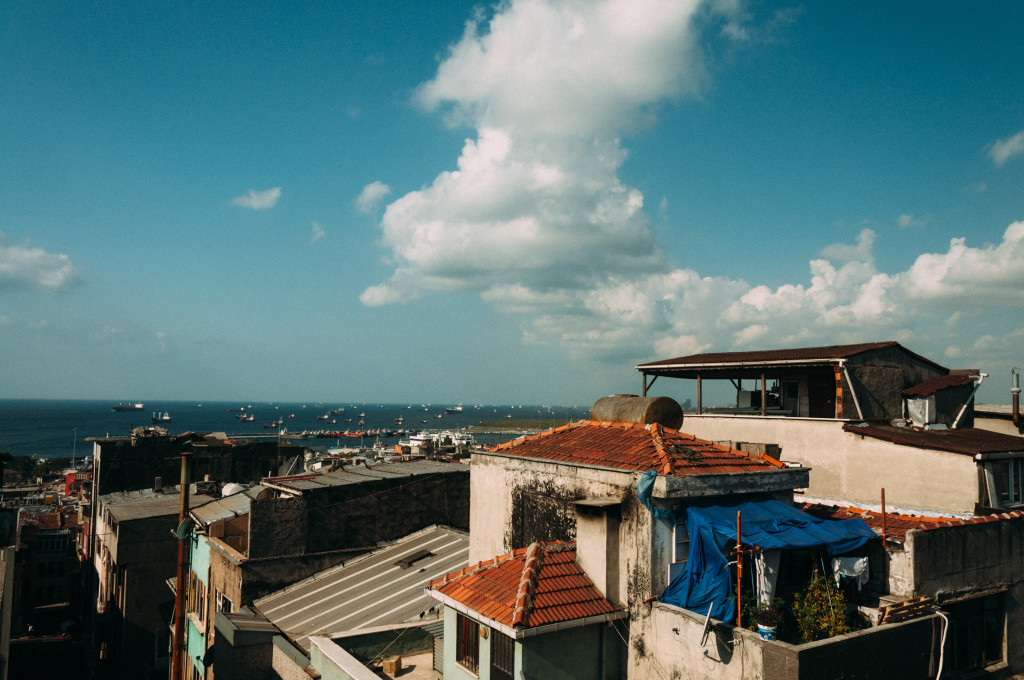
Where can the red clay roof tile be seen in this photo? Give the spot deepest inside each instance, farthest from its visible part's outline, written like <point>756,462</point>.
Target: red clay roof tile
<point>630,446</point>
<point>549,587</point>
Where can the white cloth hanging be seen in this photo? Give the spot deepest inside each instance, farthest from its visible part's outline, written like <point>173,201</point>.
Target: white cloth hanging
<point>854,567</point>
<point>767,563</point>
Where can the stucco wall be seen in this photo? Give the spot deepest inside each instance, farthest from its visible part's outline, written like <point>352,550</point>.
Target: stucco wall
<point>499,483</point>
<point>852,467</point>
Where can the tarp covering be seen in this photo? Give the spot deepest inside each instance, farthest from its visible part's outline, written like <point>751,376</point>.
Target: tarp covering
<point>766,523</point>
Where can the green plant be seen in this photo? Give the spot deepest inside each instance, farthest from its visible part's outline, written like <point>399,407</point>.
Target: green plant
<point>768,614</point>
<point>820,610</point>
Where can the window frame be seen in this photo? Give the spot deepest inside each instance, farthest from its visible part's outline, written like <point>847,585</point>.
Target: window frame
<point>467,643</point>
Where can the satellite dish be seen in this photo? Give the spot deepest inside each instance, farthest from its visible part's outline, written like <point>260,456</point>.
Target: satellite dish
<point>184,529</point>
<point>707,626</point>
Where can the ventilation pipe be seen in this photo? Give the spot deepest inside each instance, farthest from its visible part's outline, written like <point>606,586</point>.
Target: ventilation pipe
<point>1015,391</point>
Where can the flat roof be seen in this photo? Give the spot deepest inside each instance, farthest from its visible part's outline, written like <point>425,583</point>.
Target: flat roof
<point>361,474</point>
<point>129,505</point>
<point>969,441</point>
<point>381,588</point>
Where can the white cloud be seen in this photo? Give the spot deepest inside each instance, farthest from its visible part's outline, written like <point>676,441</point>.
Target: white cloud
<point>1005,149</point>
<point>258,200</point>
<point>33,268</point>
<point>535,218</point>
<point>535,202</point>
<point>371,196</point>
<point>906,221</point>
<point>316,233</point>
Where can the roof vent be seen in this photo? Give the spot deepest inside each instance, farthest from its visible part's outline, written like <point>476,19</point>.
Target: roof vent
<point>629,408</point>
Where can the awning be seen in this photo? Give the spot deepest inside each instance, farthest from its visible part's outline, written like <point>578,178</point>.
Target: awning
<point>766,523</point>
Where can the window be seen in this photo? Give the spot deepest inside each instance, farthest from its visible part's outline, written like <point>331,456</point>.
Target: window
<point>467,642</point>
<point>503,656</point>
<point>195,601</point>
<point>975,637</point>
<point>222,603</point>
<point>1009,479</point>
<point>680,546</point>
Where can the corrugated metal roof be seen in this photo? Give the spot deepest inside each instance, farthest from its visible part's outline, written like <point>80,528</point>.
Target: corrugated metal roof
<point>228,506</point>
<point>369,591</point>
<point>823,354</point>
<point>970,441</point>
<point>359,474</point>
<point>529,587</point>
<point>129,505</point>
<point>930,387</point>
<point>630,446</point>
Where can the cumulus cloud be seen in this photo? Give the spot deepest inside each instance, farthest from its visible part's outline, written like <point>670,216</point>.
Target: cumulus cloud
<point>535,202</point>
<point>258,200</point>
<point>1005,149</point>
<point>25,267</point>
<point>316,233</point>
<point>371,196</point>
<point>535,218</point>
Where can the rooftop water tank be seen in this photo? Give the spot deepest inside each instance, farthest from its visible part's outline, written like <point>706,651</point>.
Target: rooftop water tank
<point>629,408</point>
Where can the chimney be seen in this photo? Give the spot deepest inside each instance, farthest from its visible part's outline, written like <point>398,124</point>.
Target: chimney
<point>1015,391</point>
<point>158,484</point>
<point>597,544</point>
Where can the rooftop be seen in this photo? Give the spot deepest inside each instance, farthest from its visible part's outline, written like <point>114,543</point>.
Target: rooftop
<point>129,505</point>
<point>636,447</point>
<point>969,441</point>
<point>360,474</point>
<point>930,387</point>
<point>384,587</point>
<point>526,588</point>
<point>227,507</point>
<point>896,524</point>
<point>789,357</point>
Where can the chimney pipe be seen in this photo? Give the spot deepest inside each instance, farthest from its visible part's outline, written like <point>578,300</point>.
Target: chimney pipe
<point>1015,391</point>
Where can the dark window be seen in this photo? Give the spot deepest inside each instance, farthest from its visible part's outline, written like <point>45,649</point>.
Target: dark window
<point>975,638</point>
<point>467,642</point>
<point>503,656</point>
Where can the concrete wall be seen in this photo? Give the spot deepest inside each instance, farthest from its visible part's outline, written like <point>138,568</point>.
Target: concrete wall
<point>665,643</point>
<point>851,467</point>
<point>975,558</point>
<point>515,501</point>
<point>671,640</point>
<point>1003,425</point>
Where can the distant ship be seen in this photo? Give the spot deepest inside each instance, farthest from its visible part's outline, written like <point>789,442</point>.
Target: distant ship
<point>453,409</point>
<point>161,418</point>
<point>127,406</point>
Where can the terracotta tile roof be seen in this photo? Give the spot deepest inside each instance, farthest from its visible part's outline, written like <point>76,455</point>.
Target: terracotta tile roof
<point>930,387</point>
<point>897,525</point>
<point>630,446</point>
<point>528,587</point>
<point>970,441</point>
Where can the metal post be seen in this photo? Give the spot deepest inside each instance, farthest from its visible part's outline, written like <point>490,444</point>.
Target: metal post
<point>178,652</point>
<point>885,552</point>
<point>764,396</point>
<point>739,573</point>
<point>700,405</point>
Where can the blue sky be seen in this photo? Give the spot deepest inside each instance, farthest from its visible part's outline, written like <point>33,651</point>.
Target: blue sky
<point>388,202</point>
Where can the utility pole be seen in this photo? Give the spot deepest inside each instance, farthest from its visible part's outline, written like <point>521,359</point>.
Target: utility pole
<point>178,649</point>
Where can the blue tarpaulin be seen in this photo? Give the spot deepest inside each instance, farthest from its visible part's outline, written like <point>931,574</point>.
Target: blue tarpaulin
<point>766,523</point>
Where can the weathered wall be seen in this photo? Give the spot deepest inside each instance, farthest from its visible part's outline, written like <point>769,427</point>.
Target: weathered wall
<point>118,466</point>
<point>515,500</point>
<point>242,655</point>
<point>665,643</point>
<point>852,467</point>
<point>908,651</point>
<point>564,655</point>
<point>361,515</point>
<point>278,526</point>
<point>975,558</point>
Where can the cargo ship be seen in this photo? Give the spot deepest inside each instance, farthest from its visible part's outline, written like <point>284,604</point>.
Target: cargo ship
<point>127,406</point>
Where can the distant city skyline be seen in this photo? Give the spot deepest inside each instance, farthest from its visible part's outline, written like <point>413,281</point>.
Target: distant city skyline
<point>499,204</point>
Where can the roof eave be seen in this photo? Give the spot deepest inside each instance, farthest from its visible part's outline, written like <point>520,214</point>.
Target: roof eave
<point>721,484</point>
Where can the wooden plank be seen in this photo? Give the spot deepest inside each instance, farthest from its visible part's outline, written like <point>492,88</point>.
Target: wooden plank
<point>904,611</point>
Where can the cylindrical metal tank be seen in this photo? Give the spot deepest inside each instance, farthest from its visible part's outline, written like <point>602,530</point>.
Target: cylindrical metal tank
<point>629,408</point>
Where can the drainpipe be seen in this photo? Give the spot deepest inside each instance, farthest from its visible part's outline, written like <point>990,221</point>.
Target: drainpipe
<point>1015,391</point>
<point>981,379</point>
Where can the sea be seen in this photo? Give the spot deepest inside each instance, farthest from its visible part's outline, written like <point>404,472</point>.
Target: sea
<point>59,428</point>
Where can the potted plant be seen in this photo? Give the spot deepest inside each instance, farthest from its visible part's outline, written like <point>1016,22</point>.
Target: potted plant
<point>820,610</point>
<point>767,615</point>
